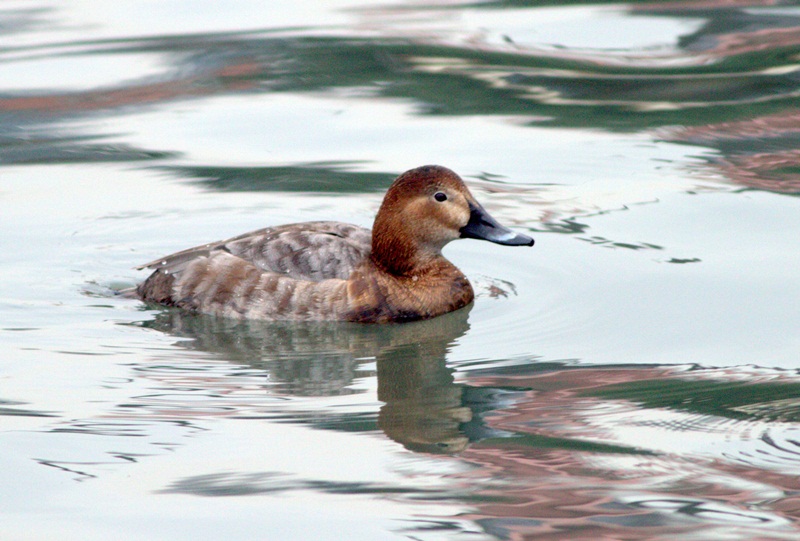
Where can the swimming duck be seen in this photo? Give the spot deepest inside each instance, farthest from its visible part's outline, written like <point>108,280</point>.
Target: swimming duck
<point>338,271</point>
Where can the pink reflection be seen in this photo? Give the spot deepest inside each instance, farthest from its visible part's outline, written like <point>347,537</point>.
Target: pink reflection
<point>556,493</point>
<point>221,80</point>
<point>761,162</point>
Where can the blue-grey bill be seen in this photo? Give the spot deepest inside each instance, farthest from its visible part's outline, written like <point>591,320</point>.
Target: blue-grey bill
<point>482,226</point>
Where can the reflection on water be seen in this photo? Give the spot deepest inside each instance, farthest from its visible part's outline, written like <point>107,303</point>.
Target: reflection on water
<point>560,113</point>
<point>321,177</point>
<point>423,408</point>
<point>555,450</point>
<point>691,483</point>
<point>314,358</point>
<point>735,73</point>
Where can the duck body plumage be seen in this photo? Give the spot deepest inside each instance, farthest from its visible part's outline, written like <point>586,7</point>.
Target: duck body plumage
<point>336,271</point>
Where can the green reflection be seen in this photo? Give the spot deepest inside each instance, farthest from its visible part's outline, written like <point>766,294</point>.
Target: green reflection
<point>566,87</point>
<point>322,177</point>
<point>737,67</point>
<point>778,401</point>
<point>538,441</point>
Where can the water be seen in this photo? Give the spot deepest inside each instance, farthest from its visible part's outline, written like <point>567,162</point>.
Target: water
<point>633,376</point>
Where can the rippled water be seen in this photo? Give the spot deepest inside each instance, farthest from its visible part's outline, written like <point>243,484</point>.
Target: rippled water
<point>633,376</point>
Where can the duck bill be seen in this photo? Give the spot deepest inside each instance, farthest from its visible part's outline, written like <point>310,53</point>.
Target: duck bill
<point>482,226</point>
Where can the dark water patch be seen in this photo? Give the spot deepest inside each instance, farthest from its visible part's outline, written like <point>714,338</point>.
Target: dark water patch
<point>601,241</point>
<point>248,484</point>
<point>546,442</point>
<point>124,429</point>
<point>37,149</point>
<point>77,471</point>
<point>734,400</point>
<point>567,226</point>
<point>330,420</point>
<point>10,408</point>
<point>21,329</point>
<point>316,177</point>
<point>706,510</point>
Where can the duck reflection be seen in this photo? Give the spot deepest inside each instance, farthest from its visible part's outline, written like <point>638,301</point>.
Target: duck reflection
<point>424,409</point>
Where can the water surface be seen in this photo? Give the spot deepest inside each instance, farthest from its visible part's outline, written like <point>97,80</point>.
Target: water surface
<point>633,376</point>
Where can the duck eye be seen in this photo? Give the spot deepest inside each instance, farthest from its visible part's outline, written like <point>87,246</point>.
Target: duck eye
<point>440,196</point>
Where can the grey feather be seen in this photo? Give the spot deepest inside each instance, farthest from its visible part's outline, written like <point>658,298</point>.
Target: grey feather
<point>312,251</point>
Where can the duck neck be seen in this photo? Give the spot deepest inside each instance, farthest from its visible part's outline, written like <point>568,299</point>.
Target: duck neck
<point>399,256</point>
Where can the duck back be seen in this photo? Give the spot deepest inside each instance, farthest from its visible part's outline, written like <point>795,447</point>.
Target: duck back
<point>306,251</point>
<point>271,273</point>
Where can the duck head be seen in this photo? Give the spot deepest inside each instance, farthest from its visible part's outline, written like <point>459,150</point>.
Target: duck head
<point>424,209</point>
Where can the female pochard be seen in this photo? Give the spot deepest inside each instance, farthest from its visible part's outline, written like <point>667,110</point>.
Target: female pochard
<point>337,271</point>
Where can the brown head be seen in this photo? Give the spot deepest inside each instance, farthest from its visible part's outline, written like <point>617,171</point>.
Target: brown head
<point>424,209</point>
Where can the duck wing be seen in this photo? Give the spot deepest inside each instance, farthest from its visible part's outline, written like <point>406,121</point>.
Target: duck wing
<point>311,251</point>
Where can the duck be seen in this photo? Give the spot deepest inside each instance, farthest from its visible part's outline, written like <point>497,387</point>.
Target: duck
<point>327,270</point>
